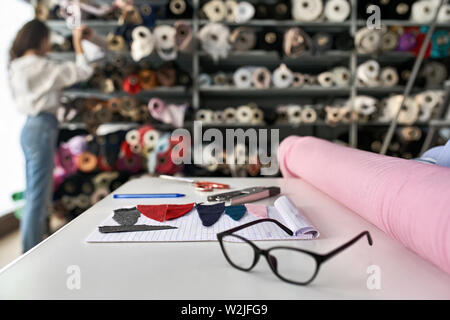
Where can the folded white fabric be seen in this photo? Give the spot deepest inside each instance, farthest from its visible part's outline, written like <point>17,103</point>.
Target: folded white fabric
<point>142,44</point>
<point>367,73</point>
<point>214,40</point>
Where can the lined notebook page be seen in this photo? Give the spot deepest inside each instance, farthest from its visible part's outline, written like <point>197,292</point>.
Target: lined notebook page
<point>190,228</point>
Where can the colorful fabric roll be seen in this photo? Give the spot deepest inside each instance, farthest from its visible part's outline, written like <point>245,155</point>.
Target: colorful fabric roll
<point>131,84</point>
<point>406,199</point>
<point>170,114</point>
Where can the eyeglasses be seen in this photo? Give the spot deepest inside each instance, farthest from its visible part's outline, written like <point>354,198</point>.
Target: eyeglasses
<point>293,265</point>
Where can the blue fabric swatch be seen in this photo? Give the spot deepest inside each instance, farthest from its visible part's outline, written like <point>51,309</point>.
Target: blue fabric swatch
<point>235,212</point>
<point>437,155</point>
<point>209,214</point>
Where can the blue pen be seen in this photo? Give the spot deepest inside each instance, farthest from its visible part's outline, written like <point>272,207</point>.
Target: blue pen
<point>148,195</point>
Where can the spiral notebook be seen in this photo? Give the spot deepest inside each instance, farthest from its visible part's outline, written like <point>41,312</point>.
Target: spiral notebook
<point>190,228</point>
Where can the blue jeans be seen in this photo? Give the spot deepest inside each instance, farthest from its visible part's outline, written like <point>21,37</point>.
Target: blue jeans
<point>38,140</point>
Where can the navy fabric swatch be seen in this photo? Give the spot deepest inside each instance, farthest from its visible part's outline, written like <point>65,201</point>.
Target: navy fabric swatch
<point>236,212</point>
<point>209,214</point>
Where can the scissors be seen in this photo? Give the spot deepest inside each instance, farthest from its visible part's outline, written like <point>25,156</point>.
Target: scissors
<point>205,186</point>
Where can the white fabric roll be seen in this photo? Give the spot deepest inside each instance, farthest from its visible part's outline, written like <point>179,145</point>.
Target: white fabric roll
<point>367,41</point>
<point>204,115</point>
<point>244,114</point>
<point>229,115</point>
<point>309,115</point>
<point>409,113</point>
<point>132,137</point>
<point>165,42</point>
<point>341,76</point>
<point>242,77</point>
<point>214,39</point>
<point>244,12</point>
<point>215,10</point>
<point>427,102</point>
<point>143,43</point>
<point>326,79</point>
<point>258,116</point>
<point>337,10</point>
<point>365,105</point>
<point>424,11</point>
<point>294,114</point>
<point>282,77</point>
<point>306,10</point>
<point>444,14</point>
<point>388,77</point>
<point>231,6</point>
<point>368,72</point>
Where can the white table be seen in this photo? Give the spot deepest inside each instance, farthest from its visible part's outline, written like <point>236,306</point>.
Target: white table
<point>198,270</point>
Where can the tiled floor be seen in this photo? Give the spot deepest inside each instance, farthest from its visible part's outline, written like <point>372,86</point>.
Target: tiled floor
<point>10,248</point>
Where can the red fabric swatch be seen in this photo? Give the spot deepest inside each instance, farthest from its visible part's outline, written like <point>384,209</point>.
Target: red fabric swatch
<point>163,212</point>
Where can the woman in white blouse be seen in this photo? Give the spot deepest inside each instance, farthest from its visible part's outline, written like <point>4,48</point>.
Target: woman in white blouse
<point>36,84</point>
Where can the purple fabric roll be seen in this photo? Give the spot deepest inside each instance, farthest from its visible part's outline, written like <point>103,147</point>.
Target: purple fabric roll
<point>406,42</point>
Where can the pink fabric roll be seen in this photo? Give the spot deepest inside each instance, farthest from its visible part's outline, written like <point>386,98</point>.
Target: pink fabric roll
<point>408,200</point>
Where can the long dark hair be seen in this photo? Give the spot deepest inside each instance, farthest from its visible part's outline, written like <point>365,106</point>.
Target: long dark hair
<point>30,36</point>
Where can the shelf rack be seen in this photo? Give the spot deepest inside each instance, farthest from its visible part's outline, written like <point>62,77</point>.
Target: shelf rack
<point>197,95</point>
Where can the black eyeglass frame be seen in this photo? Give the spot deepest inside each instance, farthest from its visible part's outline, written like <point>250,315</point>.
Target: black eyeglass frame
<point>318,258</point>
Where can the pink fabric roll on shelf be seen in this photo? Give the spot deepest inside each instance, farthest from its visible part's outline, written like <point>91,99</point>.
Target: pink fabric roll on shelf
<point>408,200</point>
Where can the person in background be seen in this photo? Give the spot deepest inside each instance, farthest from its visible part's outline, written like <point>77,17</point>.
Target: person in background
<point>37,83</point>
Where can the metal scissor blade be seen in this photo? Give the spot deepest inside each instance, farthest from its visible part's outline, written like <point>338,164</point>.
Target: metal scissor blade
<point>232,194</point>
<point>133,228</point>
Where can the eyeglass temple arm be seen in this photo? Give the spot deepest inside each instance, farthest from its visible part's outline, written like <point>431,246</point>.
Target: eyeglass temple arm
<point>285,229</point>
<point>348,244</point>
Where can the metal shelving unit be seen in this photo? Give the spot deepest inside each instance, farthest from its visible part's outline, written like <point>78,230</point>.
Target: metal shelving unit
<point>198,96</point>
